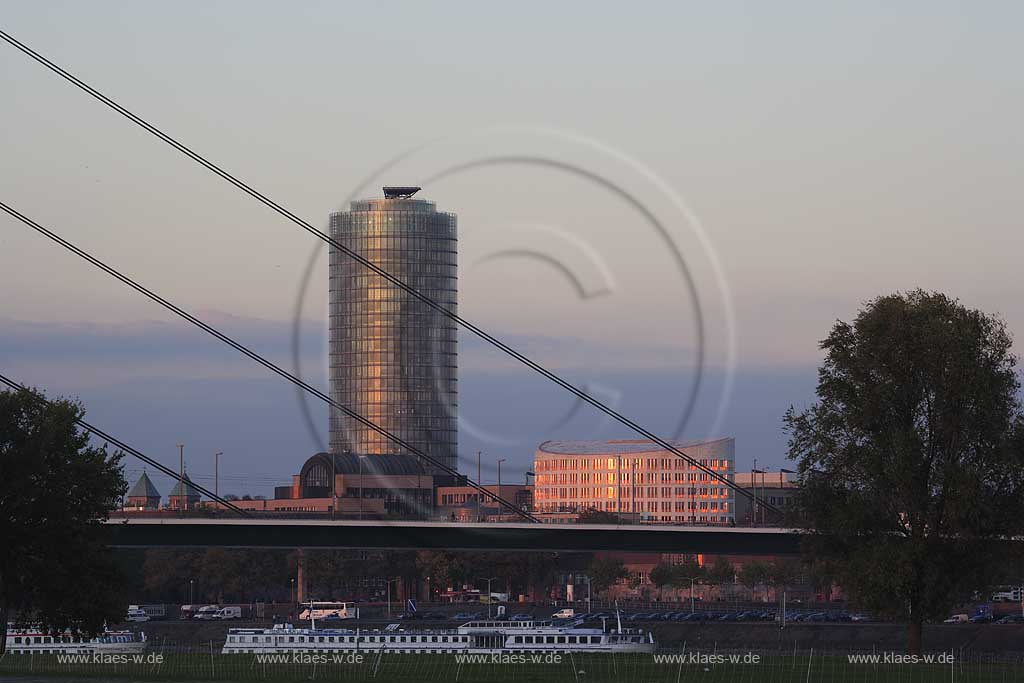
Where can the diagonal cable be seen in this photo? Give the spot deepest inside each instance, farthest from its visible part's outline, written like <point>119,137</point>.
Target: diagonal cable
<point>128,449</point>
<point>256,357</point>
<point>443,310</point>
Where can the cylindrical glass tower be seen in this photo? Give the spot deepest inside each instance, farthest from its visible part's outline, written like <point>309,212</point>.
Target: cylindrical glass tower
<point>393,358</point>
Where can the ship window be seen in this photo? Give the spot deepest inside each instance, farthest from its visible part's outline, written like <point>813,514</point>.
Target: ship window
<point>572,639</point>
<point>518,639</point>
<point>561,639</point>
<point>17,639</point>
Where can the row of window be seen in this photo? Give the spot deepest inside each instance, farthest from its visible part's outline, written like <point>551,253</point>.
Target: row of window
<point>351,639</point>
<point>374,222</point>
<point>610,477</point>
<point>438,419</point>
<point>630,492</point>
<point>433,339</point>
<point>359,288</point>
<point>547,464</point>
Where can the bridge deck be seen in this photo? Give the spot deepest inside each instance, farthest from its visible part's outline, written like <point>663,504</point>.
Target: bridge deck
<point>319,533</point>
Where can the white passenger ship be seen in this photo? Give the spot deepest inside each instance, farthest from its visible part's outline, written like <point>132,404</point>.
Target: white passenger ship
<point>477,637</point>
<point>35,641</point>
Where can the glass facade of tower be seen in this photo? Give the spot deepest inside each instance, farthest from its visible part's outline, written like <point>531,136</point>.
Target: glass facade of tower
<point>393,358</point>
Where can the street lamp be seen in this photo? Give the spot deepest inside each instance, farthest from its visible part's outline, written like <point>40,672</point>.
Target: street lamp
<point>590,594</point>
<point>691,579</point>
<point>190,584</point>
<point>293,591</point>
<point>181,462</point>
<point>500,460</point>
<point>389,593</point>
<point>216,473</point>
<point>493,578</point>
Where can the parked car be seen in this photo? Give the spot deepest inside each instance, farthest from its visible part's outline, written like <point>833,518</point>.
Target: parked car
<point>410,616</point>
<point>983,618</point>
<point>522,617</point>
<point>567,613</point>
<point>1011,619</point>
<point>467,616</point>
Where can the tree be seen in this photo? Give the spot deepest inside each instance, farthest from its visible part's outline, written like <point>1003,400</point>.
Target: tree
<point>661,575</point>
<point>910,461</point>
<point>783,573</point>
<point>688,575</point>
<point>605,571</point>
<point>754,574</point>
<point>721,573</point>
<point>821,576</point>
<point>595,516</point>
<point>55,491</point>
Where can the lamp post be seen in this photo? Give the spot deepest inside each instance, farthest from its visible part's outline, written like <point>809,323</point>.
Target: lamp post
<point>389,593</point>
<point>293,592</point>
<point>191,582</point>
<point>181,463</point>
<point>488,580</point>
<point>753,503</point>
<point>764,494</point>
<point>216,473</point>
<point>692,580</point>
<point>500,460</point>
<point>479,495</point>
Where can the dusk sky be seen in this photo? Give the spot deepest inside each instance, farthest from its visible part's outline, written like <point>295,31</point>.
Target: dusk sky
<point>822,155</point>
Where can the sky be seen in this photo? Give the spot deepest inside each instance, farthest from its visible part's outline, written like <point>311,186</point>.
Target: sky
<point>668,203</point>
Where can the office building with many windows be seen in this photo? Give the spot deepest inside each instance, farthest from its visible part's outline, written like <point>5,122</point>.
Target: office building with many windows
<point>392,357</point>
<point>637,480</point>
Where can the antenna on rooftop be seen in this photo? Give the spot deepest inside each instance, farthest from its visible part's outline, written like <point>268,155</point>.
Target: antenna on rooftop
<point>396,192</point>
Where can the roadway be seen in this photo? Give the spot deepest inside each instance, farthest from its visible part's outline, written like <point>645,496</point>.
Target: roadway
<point>395,534</point>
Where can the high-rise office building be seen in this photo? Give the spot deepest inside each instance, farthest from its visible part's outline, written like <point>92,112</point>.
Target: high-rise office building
<point>392,358</point>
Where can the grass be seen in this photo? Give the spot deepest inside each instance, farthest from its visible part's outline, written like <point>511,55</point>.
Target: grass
<point>801,667</point>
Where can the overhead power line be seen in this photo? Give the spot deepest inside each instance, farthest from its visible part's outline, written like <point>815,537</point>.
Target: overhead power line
<point>440,308</point>
<point>258,358</point>
<point>128,449</point>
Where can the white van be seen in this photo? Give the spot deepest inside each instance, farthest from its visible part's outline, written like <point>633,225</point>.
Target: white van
<point>136,614</point>
<point>228,613</point>
<point>566,613</point>
<point>207,613</point>
<point>957,619</point>
<point>1007,595</point>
